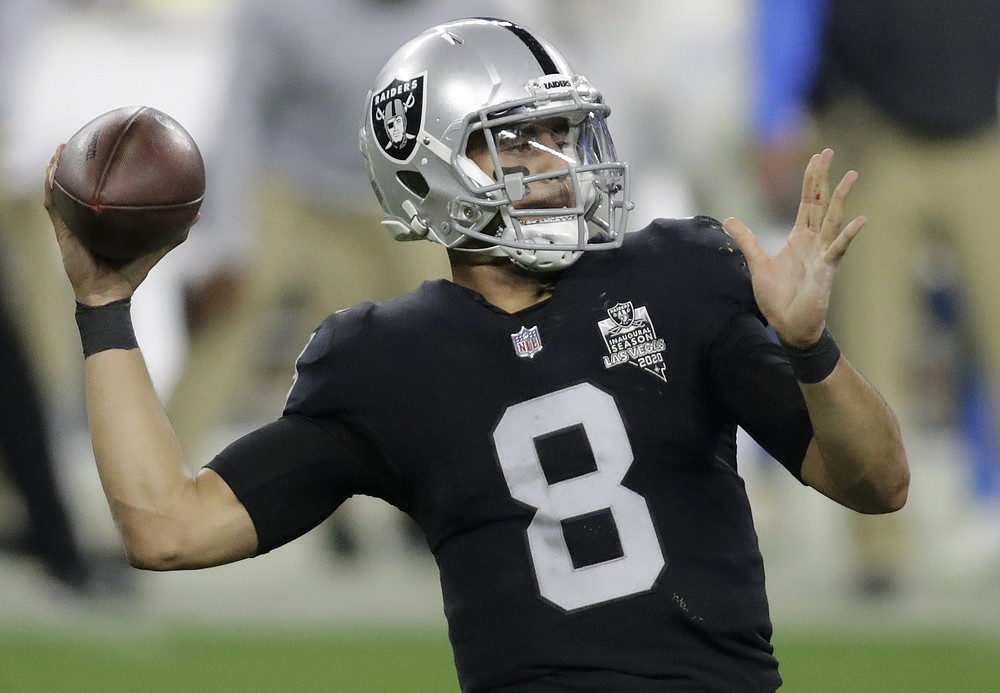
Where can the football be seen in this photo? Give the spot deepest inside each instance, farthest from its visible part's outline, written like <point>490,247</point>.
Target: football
<point>129,182</point>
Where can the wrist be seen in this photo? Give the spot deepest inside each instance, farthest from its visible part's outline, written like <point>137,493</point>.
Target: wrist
<point>105,326</point>
<point>96,300</point>
<point>813,362</point>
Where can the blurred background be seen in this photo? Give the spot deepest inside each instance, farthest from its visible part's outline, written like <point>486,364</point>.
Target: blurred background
<point>716,105</point>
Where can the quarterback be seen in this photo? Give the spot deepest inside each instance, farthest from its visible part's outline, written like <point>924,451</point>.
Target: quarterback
<point>559,418</point>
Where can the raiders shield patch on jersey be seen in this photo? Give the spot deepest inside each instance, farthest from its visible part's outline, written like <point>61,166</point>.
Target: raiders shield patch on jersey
<point>397,114</point>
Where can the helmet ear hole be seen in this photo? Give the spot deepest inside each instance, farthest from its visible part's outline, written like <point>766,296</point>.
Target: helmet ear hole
<point>414,182</point>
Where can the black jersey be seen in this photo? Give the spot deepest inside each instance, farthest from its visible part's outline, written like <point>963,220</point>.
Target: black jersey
<point>573,465</point>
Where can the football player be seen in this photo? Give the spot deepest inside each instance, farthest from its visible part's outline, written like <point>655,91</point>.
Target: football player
<point>559,419</point>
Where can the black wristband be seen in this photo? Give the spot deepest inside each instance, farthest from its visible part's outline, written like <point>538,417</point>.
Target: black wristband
<point>106,327</point>
<point>815,362</point>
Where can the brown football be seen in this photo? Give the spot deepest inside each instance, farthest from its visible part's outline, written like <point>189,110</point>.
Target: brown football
<point>129,182</point>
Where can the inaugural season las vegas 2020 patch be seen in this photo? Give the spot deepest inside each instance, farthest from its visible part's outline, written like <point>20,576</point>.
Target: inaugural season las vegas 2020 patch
<point>630,337</point>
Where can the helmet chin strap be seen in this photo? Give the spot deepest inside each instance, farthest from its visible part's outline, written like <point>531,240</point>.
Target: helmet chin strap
<point>542,233</point>
<point>562,231</point>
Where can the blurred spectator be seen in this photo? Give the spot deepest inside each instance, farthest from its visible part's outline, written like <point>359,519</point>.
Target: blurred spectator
<point>26,454</point>
<point>49,52</point>
<point>905,91</point>
<point>679,105</point>
<point>292,224</point>
<point>166,55</point>
<point>35,294</point>
<point>25,450</point>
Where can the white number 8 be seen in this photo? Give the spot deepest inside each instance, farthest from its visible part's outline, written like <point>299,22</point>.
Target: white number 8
<point>566,586</point>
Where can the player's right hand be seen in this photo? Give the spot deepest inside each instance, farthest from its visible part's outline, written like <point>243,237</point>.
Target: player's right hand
<point>95,281</point>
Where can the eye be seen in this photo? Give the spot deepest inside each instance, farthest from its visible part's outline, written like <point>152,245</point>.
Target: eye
<point>515,145</point>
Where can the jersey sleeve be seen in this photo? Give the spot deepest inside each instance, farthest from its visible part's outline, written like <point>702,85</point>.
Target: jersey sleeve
<point>293,473</point>
<point>752,380</point>
<point>748,376</point>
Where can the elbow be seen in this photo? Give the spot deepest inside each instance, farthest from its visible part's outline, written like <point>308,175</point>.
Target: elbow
<point>894,490</point>
<point>897,498</point>
<point>899,489</point>
<point>145,556</point>
<point>148,549</point>
<point>143,559</point>
<point>894,499</point>
<point>883,489</point>
<point>155,537</point>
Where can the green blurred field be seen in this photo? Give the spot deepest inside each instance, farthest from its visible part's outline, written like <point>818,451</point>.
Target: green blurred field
<point>218,662</point>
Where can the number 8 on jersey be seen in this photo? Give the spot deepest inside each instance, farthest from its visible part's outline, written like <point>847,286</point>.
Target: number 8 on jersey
<point>558,504</point>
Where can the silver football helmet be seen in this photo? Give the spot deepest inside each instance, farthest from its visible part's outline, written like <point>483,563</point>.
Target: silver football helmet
<point>478,135</point>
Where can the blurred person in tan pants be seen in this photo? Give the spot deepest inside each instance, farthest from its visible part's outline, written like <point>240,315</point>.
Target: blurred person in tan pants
<point>38,352</point>
<point>284,249</point>
<point>905,91</point>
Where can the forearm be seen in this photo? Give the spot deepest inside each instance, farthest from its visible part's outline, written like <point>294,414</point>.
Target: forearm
<point>140,463</point>
<point>857,455</point>
<point>168,517</point>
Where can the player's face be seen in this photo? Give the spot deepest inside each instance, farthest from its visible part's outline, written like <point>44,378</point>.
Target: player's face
<point>532,148</point>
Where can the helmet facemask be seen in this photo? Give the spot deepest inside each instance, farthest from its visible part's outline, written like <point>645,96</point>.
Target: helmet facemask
<point>560,188</point>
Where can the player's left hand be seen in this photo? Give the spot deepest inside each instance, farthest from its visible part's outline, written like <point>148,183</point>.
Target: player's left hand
<point>793,287</point>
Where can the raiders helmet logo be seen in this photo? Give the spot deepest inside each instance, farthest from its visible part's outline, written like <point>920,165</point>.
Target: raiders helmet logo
<point>397,114</point>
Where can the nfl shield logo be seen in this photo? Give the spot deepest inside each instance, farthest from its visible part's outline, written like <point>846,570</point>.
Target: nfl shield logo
<point>527,342</point>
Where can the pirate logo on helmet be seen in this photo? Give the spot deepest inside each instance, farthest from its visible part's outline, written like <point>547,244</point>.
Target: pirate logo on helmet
<point>397,113</point>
